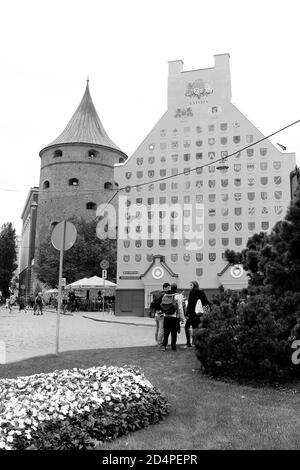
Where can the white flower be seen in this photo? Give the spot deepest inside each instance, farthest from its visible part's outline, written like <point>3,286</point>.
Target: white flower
<point>10,439</point>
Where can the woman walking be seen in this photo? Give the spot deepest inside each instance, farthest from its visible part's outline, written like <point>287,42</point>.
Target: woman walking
<point>192,318</point>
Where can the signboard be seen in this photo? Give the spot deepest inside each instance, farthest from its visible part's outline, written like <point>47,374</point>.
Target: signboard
<point>104,274</point>
<point>70,235</point>
<point>104,264</point>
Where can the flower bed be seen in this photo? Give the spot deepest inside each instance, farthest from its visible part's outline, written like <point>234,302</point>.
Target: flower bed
<point>77,408</point>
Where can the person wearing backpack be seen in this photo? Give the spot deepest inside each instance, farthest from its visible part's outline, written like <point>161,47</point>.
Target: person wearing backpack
<point>172,309</point>
<point>158,315</point>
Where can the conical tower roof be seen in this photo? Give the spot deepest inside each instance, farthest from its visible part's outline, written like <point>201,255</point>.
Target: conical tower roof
<point>84,126</point>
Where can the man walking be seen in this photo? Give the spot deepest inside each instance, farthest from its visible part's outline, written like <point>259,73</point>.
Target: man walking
<point>159,317</point>
<point>172,308</point>
<point>38,304</point>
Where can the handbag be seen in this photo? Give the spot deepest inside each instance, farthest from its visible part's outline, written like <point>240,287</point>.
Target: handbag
<point>198,307</point>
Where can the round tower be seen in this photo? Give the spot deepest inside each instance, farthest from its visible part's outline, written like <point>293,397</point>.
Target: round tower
<point>77,170</point>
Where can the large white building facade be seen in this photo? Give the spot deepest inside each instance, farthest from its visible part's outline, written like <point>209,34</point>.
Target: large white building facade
<point>179,228</point>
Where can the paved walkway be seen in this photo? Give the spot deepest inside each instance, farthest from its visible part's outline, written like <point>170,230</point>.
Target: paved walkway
<point>26,335</point>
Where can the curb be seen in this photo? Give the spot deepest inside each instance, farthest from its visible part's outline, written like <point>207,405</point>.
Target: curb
<point>118,322</point>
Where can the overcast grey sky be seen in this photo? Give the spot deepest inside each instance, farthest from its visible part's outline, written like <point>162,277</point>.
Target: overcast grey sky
<point>49,47</point>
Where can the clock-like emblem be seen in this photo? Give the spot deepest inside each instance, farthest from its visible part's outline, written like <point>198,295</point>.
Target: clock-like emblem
<point>157,272</point>
<point>236,271</point>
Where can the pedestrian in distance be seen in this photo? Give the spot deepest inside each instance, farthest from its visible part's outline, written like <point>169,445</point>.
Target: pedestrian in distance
<point>38,304</point>
<point>11,302</point>
<point>172,308</point>
<point>193,318</point>
<point>22,305</point>
<point>72,299</point>
<point>158,315</point>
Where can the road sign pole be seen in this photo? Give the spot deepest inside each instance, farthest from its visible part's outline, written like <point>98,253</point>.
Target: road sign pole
<point>61,260</point>
<point>103,293</point>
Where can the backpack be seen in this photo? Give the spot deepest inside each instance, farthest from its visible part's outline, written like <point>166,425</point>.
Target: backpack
<point>155,304</point>
<point>168,304</point>
<point>38,300</point>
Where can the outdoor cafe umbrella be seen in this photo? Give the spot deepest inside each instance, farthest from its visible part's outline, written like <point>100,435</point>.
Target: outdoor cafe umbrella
<point>93,282</point>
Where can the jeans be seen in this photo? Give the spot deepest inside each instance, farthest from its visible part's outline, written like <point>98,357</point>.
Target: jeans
<point>170,326</point>
<point>159,332</point>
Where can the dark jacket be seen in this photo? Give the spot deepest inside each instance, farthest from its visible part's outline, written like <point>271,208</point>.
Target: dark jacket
<point>194,295</point>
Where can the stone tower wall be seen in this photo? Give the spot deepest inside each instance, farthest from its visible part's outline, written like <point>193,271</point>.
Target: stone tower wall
<point>62,201</point>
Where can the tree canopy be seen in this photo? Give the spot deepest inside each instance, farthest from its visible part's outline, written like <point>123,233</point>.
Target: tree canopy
<point>82,260</point>
<point>8,256</point>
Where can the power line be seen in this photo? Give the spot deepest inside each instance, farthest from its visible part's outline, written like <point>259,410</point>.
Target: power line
<point>170,176</point>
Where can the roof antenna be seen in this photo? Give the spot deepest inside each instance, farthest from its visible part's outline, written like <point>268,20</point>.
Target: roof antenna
<point>88,79</point>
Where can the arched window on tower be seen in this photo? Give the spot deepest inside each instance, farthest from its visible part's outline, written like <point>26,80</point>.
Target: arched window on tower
<point>121,160</point>
<point>91,206</point>
<point>46,184</point>
<point>108,185</point>
<point>73,182</point>
<point>58,153</point>
<point>93,153</point>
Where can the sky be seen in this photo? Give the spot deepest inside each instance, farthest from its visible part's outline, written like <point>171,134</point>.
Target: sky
<point>49,48</point>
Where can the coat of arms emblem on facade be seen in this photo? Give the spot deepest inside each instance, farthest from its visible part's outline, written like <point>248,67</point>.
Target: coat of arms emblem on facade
<point>263,166</point>
<point>264,180</point>
<point>277,165</point>
<point>277,179</point>
<point>225,211</point>
<point>198,89</point>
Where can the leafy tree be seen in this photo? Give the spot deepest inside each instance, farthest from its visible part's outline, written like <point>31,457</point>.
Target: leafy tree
<point>82,260</point>
<point>8,256</point>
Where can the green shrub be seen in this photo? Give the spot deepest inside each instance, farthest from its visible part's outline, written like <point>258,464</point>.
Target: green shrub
<point>251,341</point>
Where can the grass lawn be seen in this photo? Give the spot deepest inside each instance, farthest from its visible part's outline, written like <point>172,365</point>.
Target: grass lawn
<point>205,413</point>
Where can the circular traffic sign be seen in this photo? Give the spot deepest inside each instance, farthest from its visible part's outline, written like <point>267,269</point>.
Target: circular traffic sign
<point>104,264</point>
<point>70,235</point>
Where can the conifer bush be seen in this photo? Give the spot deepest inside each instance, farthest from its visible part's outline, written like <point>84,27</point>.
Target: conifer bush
<point>253,341</point>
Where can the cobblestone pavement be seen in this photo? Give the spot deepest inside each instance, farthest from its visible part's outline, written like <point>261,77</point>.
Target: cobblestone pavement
<point>27,335</point>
